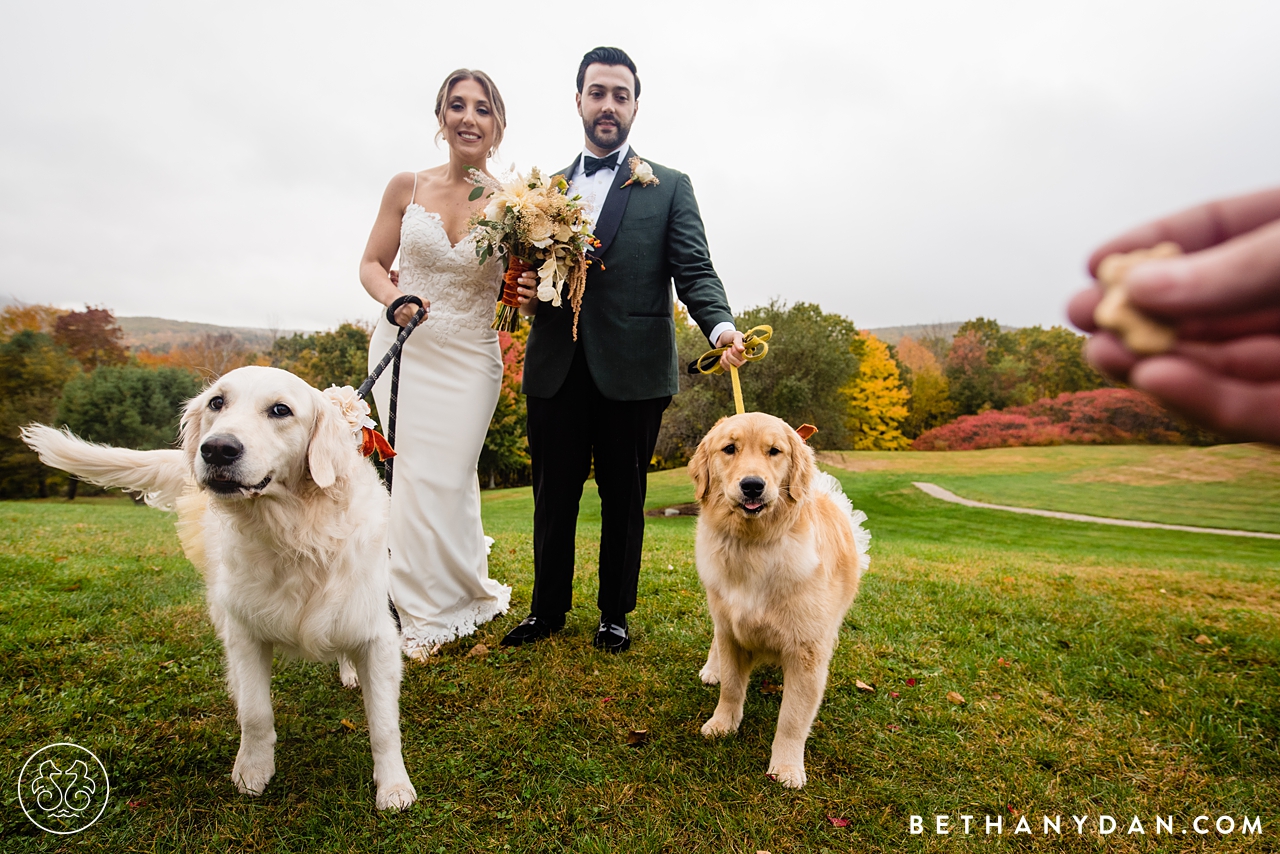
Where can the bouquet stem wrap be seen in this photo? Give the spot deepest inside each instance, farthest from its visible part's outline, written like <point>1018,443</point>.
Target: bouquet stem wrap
<point>506,318</point>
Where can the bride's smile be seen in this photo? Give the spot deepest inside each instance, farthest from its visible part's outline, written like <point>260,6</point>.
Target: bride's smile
<point>468,122</point>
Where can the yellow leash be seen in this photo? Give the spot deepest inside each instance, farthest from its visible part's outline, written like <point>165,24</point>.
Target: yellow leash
<point>755,341</point>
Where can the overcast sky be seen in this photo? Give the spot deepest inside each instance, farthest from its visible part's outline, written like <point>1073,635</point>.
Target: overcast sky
<point>896,163</point>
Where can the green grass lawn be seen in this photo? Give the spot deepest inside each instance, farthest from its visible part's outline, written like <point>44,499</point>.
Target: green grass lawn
<point>1073,645</point>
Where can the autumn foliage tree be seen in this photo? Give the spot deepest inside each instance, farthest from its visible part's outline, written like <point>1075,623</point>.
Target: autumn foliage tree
<point>505,453</point>
<point>92,337</point>
<point>930,404</point>
<point>33,370</point>
<point>877,400</point>
<point>20,317</point>
<point>209,356</point>
<point>339,357</point>
<point>990,368</point>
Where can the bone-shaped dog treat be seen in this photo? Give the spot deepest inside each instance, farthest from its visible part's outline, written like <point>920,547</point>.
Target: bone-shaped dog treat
<point>1140,333</point>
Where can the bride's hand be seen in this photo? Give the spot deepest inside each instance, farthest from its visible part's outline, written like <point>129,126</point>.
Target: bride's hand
<point>406,312</point>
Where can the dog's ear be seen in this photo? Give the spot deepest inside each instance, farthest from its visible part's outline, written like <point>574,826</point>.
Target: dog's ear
<point>191,428</point>
<point>800,468</point>
<point>331,447</point>
<point>700,469</point>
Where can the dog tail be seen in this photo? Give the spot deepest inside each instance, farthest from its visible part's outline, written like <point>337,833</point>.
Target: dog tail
<point>861,536</point>
<point>161,476</point>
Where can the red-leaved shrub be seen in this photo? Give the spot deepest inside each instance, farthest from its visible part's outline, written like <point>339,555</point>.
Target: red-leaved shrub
<point>1108,416</point>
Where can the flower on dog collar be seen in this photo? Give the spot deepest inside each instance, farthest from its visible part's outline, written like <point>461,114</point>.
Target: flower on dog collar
<point>352,406</point>
<point>641,173</point>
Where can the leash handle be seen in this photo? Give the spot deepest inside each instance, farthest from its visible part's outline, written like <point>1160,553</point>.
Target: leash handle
<point>393,355</point>
<point>756,343</point>
<point>754,340</point>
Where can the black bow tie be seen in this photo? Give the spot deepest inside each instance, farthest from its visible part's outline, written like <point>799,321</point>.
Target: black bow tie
<point>592,165</point>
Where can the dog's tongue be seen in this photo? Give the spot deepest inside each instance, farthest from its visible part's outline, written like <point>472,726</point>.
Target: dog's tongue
<point>753,505</point>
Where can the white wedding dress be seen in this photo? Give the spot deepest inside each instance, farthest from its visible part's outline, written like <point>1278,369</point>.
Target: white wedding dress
<point>450,377</point>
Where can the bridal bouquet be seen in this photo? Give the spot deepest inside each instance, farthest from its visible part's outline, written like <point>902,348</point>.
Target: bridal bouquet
<point>535,224</point>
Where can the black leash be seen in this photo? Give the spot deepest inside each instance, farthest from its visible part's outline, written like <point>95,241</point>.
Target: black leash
<point>393,356</point>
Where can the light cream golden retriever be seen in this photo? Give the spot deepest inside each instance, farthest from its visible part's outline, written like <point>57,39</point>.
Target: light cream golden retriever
<point>780,551</point>
<point>289,526</point>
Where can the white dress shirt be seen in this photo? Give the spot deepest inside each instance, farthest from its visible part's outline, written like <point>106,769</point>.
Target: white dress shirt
<point>594,189</point>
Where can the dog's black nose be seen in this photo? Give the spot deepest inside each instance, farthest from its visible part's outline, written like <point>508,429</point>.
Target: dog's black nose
<point>221,450</point>
<point>752,487</point>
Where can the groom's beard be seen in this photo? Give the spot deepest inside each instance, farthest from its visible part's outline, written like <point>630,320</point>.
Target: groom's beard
<point>608,137</point>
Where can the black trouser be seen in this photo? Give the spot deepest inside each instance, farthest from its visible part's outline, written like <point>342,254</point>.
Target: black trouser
<point>565,433</point>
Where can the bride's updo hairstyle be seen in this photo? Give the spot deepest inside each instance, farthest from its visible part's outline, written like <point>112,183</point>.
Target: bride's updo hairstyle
<point>490,92</point>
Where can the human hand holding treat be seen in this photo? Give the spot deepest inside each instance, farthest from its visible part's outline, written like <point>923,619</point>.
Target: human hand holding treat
<point>1222,301</point>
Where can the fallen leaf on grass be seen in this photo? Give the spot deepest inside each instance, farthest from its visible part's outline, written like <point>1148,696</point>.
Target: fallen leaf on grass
<point>59,559</point>
<point>863,686</point>
<point>1013,812</point>
<point>893,728</point>
<point>1003,663</point>
<point>607,700</point>
<point>169,662</point>
<point>133,805</point>
<point>478,651</point>
<point>911,683</point>
<point>1203,640</point>
<point>894,694</point>
<point>767,687</point>
<point>637,737</point>
<point>348,724</point>
<point>838,822</point>
<point>996,697</point>
<point>1007,580</point>
<point>955,698</point>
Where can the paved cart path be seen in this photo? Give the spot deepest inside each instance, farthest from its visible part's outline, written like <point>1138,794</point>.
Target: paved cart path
<point>946,495</point>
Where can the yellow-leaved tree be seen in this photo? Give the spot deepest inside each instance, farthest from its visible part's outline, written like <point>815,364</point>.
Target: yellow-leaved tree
<point>931,404</point>
<point>877,399</point>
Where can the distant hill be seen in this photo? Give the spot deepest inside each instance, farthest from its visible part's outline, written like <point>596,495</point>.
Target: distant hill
<point>893,334</point>
<point>160,334</point>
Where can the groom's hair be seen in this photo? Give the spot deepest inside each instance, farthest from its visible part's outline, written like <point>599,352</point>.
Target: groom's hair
<point>607,56</point>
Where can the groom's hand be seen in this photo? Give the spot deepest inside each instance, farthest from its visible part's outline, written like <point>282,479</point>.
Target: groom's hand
<point>527,286</point>
<point>733,354</point>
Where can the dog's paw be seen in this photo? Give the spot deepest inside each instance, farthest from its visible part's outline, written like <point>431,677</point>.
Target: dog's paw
<point>709,675</point>
<point>347,673</point>
<point>252,775</point>
<point>397,796</point>
<point>790,776</point>
<point>719,727</point>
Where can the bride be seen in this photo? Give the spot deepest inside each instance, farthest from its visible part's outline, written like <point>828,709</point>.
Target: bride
<point>450,375</point>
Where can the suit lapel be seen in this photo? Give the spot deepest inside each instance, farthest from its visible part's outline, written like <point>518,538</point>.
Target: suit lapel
<point>615,204</point>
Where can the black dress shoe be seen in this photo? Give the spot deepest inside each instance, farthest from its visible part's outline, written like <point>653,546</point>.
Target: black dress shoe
<point>612,635</point>
<point>532,628</point>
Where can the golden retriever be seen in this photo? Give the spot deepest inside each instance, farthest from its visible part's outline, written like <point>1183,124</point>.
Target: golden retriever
<point>780,551</point>
<point>289,526</point>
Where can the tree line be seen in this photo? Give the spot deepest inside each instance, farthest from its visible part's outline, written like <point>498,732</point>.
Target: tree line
<point>72,368</point>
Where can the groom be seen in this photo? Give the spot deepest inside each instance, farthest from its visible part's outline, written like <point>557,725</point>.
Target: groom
<point>601,398</point>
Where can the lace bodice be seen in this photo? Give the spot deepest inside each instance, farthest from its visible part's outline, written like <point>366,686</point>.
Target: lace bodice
<point>461,292</point>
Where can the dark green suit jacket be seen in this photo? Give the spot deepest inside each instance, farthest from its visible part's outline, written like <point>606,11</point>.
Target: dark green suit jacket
<point>650,236</point>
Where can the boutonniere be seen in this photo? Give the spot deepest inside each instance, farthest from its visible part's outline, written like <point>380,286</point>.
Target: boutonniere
<point>641,173</point>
